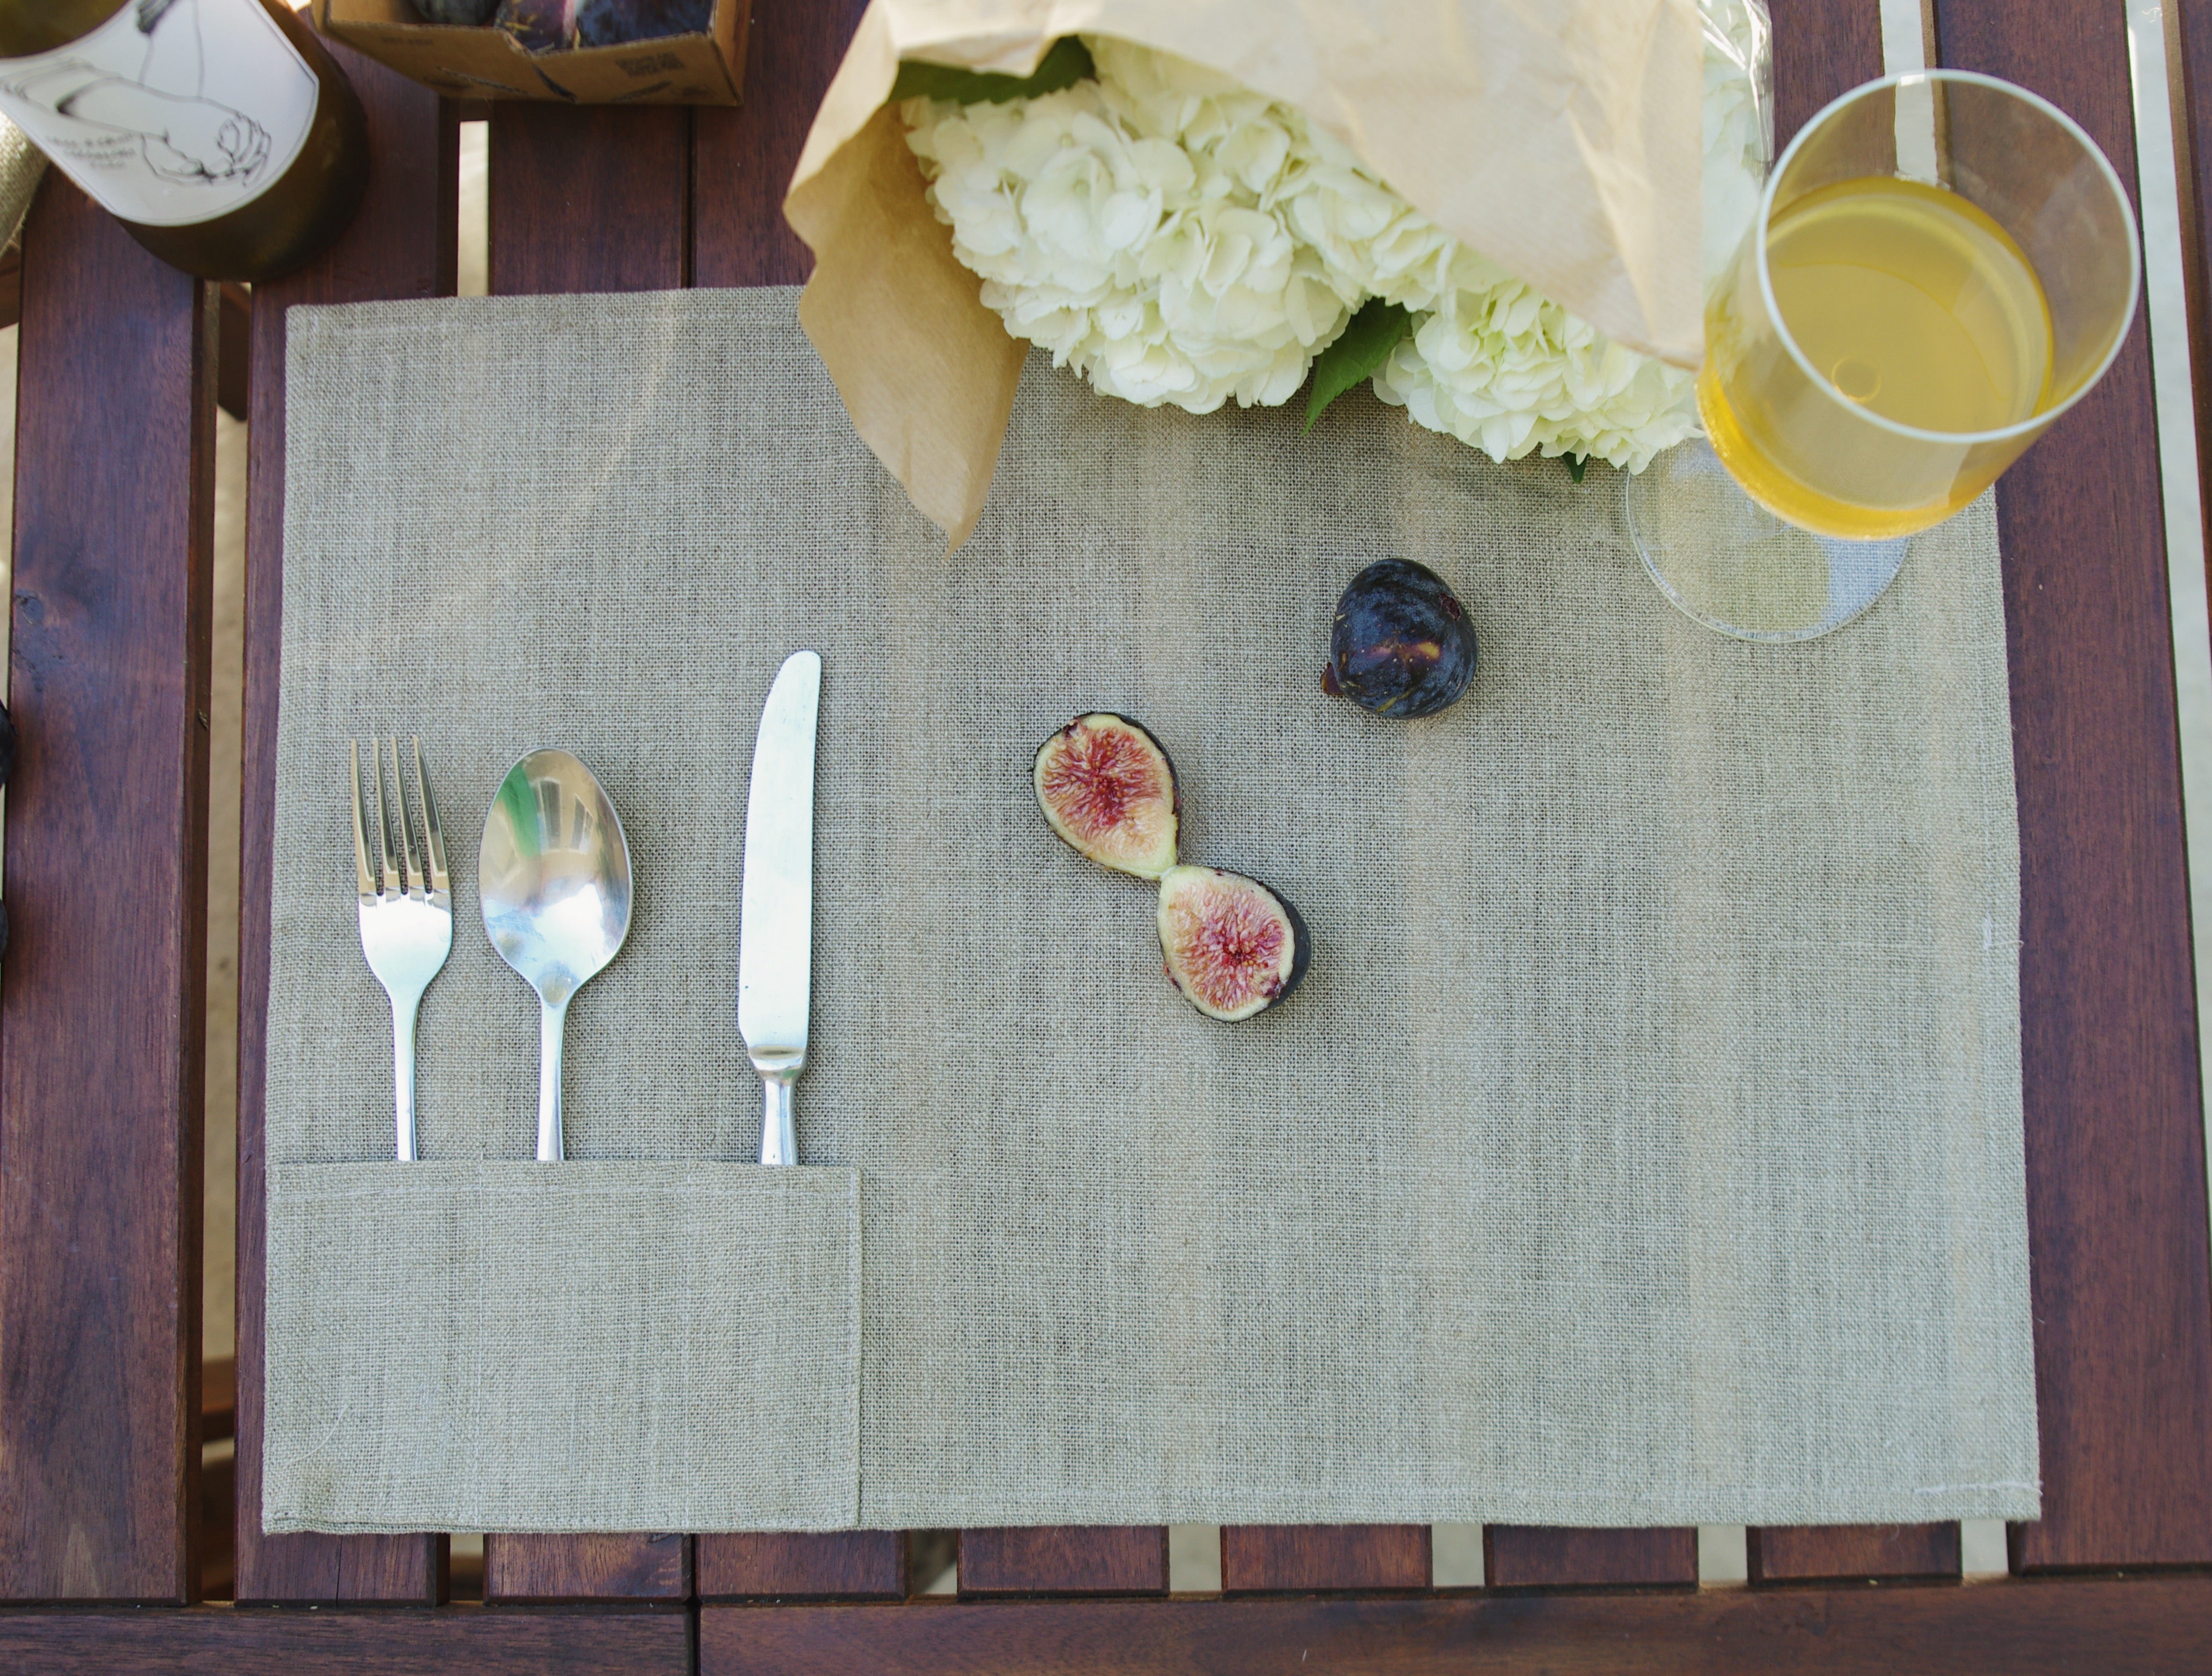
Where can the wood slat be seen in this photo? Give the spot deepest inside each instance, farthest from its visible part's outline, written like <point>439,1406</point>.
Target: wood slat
<point>101,1037</point>
<point>462,1641</point>
<point>1261,1557</point>
<point>2123,1297</point>
<point>592,198</point>
<point>853,1565</point>
<point>589,199</point>
<point>2188,70</point>
<point>1828,1553</point>
<point>1822,49</point>
<point>2136,1627</point>
<point>586,1567</point>
<point>1547,1557</point>
<point>1065,1559</point>
<point>743,157</point>
<point>401,245</point>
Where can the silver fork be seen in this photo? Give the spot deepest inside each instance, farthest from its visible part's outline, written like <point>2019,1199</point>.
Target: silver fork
<point>406,915</point>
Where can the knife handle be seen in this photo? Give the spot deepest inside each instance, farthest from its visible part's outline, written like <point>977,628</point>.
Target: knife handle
<point>779,1141</point>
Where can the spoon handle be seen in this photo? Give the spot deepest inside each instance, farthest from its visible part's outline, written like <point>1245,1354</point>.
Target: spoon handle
<point>552,1021</point>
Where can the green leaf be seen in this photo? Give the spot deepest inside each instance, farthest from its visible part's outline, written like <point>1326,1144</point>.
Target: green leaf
<point>1067,63</point>
<point>1577,465</point>
<point>1375,331</point>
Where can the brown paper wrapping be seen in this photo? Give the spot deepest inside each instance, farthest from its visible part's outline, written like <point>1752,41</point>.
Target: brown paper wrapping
<point>1562,141</point>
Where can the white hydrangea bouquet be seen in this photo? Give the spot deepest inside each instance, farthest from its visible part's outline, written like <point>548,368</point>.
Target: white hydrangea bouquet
<point>1180,234</point>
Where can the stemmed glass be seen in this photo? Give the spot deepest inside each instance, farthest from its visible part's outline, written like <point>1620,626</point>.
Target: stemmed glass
<point>1941,264</point>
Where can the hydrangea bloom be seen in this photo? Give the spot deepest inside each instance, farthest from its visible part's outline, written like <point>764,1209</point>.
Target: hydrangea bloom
<point>1176,238</point>
<point>1137,228</point>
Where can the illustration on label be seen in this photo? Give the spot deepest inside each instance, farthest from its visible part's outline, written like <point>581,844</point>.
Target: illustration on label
<point>163,119</point>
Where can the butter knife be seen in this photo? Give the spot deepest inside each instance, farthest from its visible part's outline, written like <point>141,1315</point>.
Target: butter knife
<point>775,926</point>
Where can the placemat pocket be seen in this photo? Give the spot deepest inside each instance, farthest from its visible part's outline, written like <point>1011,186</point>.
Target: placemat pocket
<point>586,1346</point>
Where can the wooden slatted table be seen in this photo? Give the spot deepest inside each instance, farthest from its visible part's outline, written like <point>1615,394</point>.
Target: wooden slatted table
<point>100,1033</point>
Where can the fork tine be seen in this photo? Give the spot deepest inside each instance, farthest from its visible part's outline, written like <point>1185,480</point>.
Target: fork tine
<point>360,834</point>
<point>434,840</point>
<point>414,874</point>
<point>392,880</point>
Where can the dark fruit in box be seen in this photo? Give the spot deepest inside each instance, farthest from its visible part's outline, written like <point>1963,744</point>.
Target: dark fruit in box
<point>457,11</point>
<point>1233,946</point>
<point>1401,645</point>
<point>610,22</point>
<point>1107,786</point>
<point>544,25</point>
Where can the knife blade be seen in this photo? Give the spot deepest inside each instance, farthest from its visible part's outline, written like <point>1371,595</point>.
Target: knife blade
<point>776,925</point>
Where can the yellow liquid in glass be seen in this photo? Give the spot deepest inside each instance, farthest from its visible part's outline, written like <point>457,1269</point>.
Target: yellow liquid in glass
<point>1915,305</point>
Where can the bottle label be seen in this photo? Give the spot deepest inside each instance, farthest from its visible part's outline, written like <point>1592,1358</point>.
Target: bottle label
<point>170,112</point>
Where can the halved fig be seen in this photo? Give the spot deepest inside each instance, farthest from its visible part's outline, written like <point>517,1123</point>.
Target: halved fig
<point>1233,946</point>
<point>1107,786</point>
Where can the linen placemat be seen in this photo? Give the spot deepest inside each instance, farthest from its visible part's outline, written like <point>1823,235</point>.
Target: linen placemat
<point>495,1346</point>
<point>1644,1148</point>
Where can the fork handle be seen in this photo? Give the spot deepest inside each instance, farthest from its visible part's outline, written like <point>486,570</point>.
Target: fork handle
<point>552,1025</point>
<point>402,1073</point>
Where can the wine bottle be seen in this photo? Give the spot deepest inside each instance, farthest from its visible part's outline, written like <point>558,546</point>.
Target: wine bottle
<point>221,133</point>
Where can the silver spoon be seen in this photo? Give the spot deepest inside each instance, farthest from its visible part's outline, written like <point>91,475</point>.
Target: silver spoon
<point>554,880</point>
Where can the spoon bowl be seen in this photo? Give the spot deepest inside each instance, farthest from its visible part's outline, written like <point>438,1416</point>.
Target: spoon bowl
<point>553,878</point>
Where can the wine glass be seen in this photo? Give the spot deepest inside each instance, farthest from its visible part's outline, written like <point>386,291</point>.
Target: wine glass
<point>1941,265</point>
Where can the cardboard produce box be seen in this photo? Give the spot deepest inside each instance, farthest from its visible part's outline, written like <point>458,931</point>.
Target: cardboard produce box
<point>483,62</point>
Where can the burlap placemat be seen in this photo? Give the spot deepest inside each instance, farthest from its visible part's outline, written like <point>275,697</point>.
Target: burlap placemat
<point>1645,1147</point>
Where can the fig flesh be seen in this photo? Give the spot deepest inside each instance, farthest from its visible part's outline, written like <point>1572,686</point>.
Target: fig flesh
<point>1400,645</point>
<point>1107,787</point>
<point>1232,946</point>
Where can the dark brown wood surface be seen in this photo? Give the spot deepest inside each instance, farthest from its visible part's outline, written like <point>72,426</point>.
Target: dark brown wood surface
<point>1065,1559</point>
<point>1822,48</point>
<point>1834,1553</point>
<point>457,1641</point>
<point>1255,1559</point>
<point>535,1568</point>
<point>589,199</point>
<point>742,159</point>
<point>2122,1294</point>
<point>1545,1556</point>
<point>855,1565</point>
<point>400,245</point>
<point>2154,1627</point>
<point>2188,48</point>
<point>102,1026</point>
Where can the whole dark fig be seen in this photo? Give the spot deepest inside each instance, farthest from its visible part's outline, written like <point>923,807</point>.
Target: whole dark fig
<point>1232,946</point>
<point>1107,786</point>
<point>457,11</point>
<point>1401,645</point>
